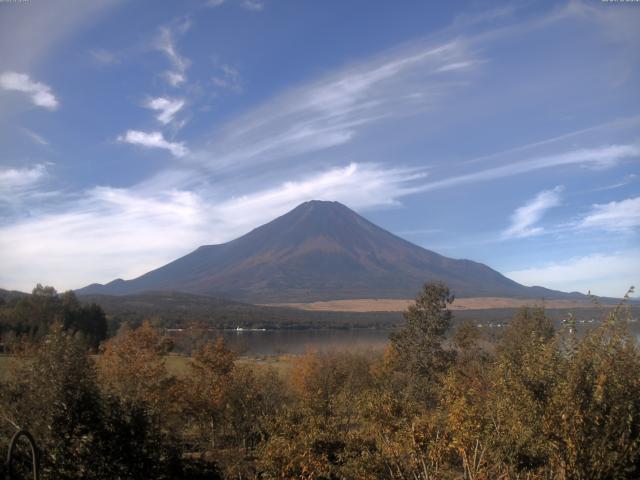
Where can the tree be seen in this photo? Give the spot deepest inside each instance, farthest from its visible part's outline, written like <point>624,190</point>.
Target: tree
<point>207,388</point>
<point>83,432</point>
<point>419,343</point>
<point>594,425</point>
<point>132,367</point>
<point>465,406</point>
<point>88,321</point>
<point>32,316</point>
<point>55,396</point>
<point>228,407</point>
<point>319,435</point>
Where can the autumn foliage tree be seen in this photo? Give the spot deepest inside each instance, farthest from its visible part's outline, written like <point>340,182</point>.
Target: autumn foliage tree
<point>132,367</point>
<point>442,401</point>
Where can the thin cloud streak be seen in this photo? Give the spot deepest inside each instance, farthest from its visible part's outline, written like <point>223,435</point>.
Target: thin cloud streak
<point>39,139</point>
<point>629,124</point>
<point>602,157</point>
<point>525,218</point>
<point>334,110</point>
<point>104,57</point>
<point>165,43</point>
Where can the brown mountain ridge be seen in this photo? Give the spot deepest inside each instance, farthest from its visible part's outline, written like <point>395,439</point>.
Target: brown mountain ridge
<point>320,251</point>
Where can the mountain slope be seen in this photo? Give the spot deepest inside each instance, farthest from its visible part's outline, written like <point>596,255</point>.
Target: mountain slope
<point>319,251</point>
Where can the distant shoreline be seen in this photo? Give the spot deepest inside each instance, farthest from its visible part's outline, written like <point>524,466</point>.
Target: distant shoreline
<point>398,305</point>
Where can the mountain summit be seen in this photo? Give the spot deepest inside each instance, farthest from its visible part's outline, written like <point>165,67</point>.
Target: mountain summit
<point>319,251</point>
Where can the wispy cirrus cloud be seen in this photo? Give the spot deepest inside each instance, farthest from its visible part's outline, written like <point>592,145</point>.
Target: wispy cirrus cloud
<point>361,186</point>
<point>19,186</point>
<point>39,93</point>
<point>111,232</point>
<point>165,42</point>
<point>100,56</point>
<point>253,5</point>
<point>613,216</point>
<point>36,137</point>
<point>600,157</point>
<point>630,178</point>
<point>175,79</point>
<point>332,111</point>
<point>525,218</point>
<point>450,67</point>
<point>227,78</point>
<point>167,108</point>
<point>153,140</point>
<point>17,178</point>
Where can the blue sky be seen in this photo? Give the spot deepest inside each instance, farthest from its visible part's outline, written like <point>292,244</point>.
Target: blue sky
<point>504,132</point>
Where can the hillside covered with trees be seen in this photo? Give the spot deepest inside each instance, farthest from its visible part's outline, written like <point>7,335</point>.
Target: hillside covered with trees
<point>30,317</point>
<point>537,404</point>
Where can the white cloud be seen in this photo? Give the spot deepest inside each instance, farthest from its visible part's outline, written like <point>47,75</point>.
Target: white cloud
<point>153,140</point>
<point>625,181</point>
<point>359,186</point>
<point>175,79</point>
<point>104,57</point>
<point>109,233</point>
<point>606,156</point>
<point>604,274</point>
<point>333,110</point>
<point>165,42</point>
<point>39,93</point>
<point>166,108</point>
<point>255,5</point>
<point>451,67</point>
<point>13,178</point>
<point>613,216</point>
<point>35,137</point>
<point>228,78</point>
<point>20,187</point>
<point>524,219</point>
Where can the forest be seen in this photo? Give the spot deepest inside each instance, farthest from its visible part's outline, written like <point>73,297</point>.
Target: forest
<point>438,403</point>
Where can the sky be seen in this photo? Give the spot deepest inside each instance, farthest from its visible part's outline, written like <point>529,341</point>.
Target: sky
<point>504,132</point>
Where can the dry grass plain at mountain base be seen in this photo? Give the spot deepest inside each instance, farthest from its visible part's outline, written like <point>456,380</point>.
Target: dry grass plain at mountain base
<point>399,305</point>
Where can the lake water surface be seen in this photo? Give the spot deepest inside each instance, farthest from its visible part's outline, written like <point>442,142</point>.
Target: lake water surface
<point>277,342</point>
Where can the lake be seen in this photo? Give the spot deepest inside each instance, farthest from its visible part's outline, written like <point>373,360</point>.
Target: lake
<point>276,342</point>
<point>295,342</point>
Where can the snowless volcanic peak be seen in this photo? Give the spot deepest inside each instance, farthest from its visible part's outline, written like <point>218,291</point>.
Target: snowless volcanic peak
<point>320,250</point>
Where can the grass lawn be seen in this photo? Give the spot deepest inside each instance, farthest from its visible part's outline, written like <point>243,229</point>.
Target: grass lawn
<point>178,365</point>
